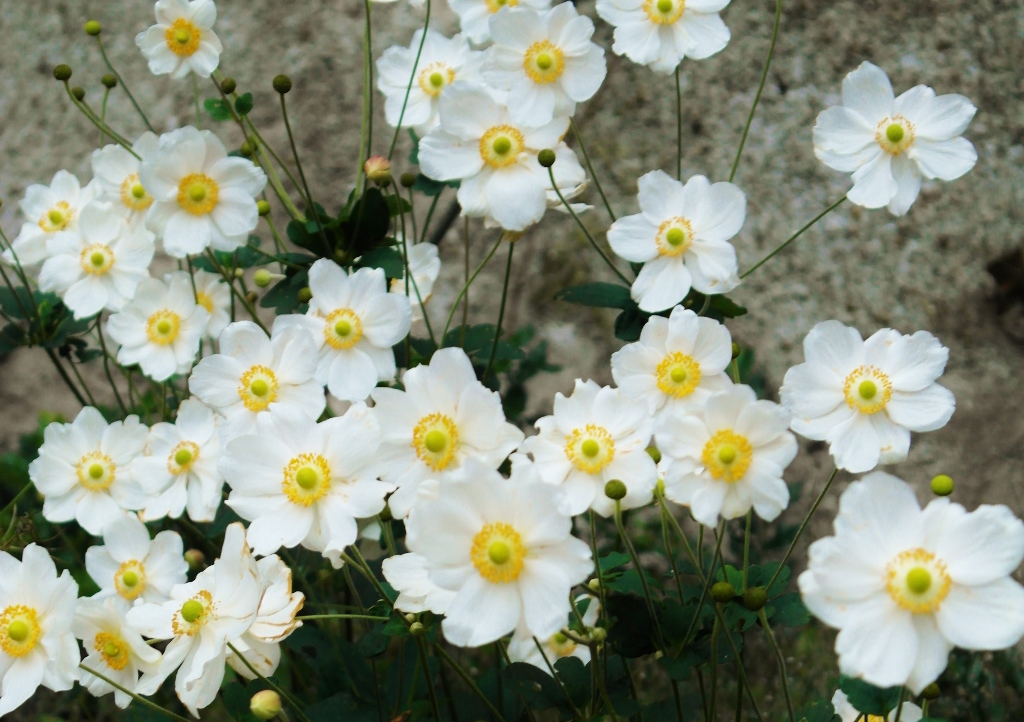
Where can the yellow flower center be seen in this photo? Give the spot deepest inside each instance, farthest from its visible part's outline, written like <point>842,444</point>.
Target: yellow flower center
<point>436,77</point>
<point>163,327</point>
<point>193,614</point>
<point>130,579</point>
<point>498,553</point>
<point>133,195</point>
<point>590,448</point>
<point>496,5</point>
<point>343,328</point>
<point>57,218</point>
<point>894,134</point>
<point>674,237</point>
<point>257,388</point>
<point>678,375</point>
<point>96,259</point>
<point>544,62</point>
<point>306,479</point>
<point>95,471</point>
<point>19,630</point>
<point>664,12</point>
<point>917,581</point>
<point>436,439</point>
<point>113,650</point>
<point>182,457</point>
<point>205,300</point>
<point>183,37</point>
<point>501,145</point>
<point>561,645</point>
<point>727,455</point>
<point>197,194</point>
<point>867,390</point>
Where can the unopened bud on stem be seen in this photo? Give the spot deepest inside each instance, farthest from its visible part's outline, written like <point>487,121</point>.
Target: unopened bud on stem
<point>93,28</point>
<point>109,81</point>
<point>78,92</point>
<point>282,84</point>
<point>546,158</point>
<point>266,704</point>
<point>378,170</point>
<point>615,490</point>
<point>723,592</point>
<point>228,86</point>
<point>62,72</point>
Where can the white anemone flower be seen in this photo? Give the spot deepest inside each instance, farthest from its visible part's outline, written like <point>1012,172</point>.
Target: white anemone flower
<point>254,375</point>
<point>117,173</point>
<point>160,329</point>
<point>865,397</point>
<point>202,198</point>
<point>300,482</point>
<point>424,268</point>
<point>213,294</point>
<point>444,417</point>
<point>101,266</point>
<point>660,33</point>
<point>678,362</point>
<point>113,648</point>
<point>889,144</point>
<point>728,456</point>
<point>442,62</point>
<point>681,235</point>
<point>596,435</point>
<point>83,470</point>
<point>37,645</point>
<point>545,60</point>
<point>133,567</point>
<point>904,586</point>
<point>200,619</point>
<point>475,15</point>
<point>543,653</point>
<point>52,213</point>
<point>182,41</point>
<point>179,471</point>
<point>495,159</point>
<point>848,713</point>
<point>500,550</point>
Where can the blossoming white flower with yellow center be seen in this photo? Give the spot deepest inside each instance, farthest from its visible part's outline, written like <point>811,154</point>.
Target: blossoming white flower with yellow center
<point>275,621</point>
<point>498,552</point>
<point>728,457</point>
<point>495,158</point>
<point>660,33</point>
<point>83,470</point>
<point>213,294</point>
<point>300,482</point>
<point>52,212</point>
<point>595,435</point>
<point>117,173</point>
<point>132,567</point>
<point>678,362</point>
<point>905,586</point>
<point>180,469</point>
<point>865,397</point>
<point>545,60</point>
<point>113,648</point>
<point>37,646</point>
<point>424,268</point>
<point>444,417</point>
<point>681,235</point>
<point>161,327</point>
<point>100,266</point>
<point>255,375</point>
<point>890,144</point>
<point>848,713</point>
<point>475,15</point>
<point>523,647</point>
<point>182,41</point>
<point>442,61</point>
<point>201,196</point>
<point>200,619</point>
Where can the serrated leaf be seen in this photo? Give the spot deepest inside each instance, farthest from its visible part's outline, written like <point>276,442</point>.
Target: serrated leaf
<point>388,260</point>
<point>243,104</point>
<point>217,109</point>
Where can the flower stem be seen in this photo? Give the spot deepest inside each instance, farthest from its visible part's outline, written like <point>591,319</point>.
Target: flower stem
<point>640,572</point>
<point>679,127</point>
<point>422,649</point>
<point>501,313</point>
<point>366,130</point>
<point>782,662</point>
<point>440,651</point>
<point>469,282</point>
<point>803,525</point>
<point>287,697</point>
<point>195,96</point>
<point>792,238</point>
<point>94,119</point>
<point>586,159</point>
<point>12,502</point>
<point>64,375</point>
<point>367,617</point>
<point>141,700</point>
<point>103,114</point>
<point>124,86</point>
<point>302,176</point>
<point>561,687</point>
<point>899,705</point>
<point>412,79</point>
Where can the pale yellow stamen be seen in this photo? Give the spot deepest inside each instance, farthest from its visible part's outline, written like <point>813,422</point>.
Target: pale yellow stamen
<point>590,448</point>
<point>727,455</point>
<point>498,553</point>
<point>435,439</point>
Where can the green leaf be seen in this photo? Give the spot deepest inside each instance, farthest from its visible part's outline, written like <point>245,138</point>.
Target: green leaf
<point>575,678</point>
<point>478,342</point>
<point>430,187</point>
<point>243,104</point>
<point>414,154</point>
<point>284,296</point>
<point>629,324</point>
<point>11,337</point>
<point>536,687</point>
<point>727,308</point>
<point>788,610</point>
<point>632,634</point>
<point>600,295</point>
<point>217,108</point>
<point>387,259</point>
<point>613,560</point>
<point>819,711</point>
<point>368,222</point>
<point>867,698</point>
<point>17,302</point>
<point>397,205</point>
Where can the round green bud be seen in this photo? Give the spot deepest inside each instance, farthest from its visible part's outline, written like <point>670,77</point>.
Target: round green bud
<point>305,294</point>
<point>755,598</point>
<point>546,158</point>
<point>282,84</point>
<point>62,72</point>
<point>246,149</point>
<point>653,452</point>
<point>942,485</point>
<point>931,692</point>
<point>410,617</point>
<point>93,28</point>
<point>262,207</point>
<point>191,610</point>
<point>735,350</point>
<point>195,559</point>
<point>615,490</point>
<point>251,297</point>
<point>79,93</point>
<point>238,272</point>
<point>265,705</point>
<point>228,86</point>
<point>262,278</point>
<point>407,179</point>
<point>723,592</point>
<point>599,634</point>
<point>109,81</point>
<point>417,629</point>
<point>594,585</point>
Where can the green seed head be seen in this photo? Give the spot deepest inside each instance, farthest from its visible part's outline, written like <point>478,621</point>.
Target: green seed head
<point>545,61</point>
<point>182,36</point>
<point>615,490</point>
<point>282,84</point>
<point>546,158</point>
<point>130,579</point>
<point>79,93</point>
<point>675,237</point>
<point>665,6</point>
<point>894,133</point>
<point>109,81</point>
<point>263,208</point>
<point>18,631</point>
<point>259,387</point>
<point>919,580</point>
<point>499,552</point>
<point>867,389</point>
<point>191,610</point>
<point>97,259</point>
<point>228,86</point>
<point>942,485</point>
<point>590,448</point>
<point>501,145</point>
<point>93,28</point>
<point>182,457</point>
<point>96,471</point>
<point>306,478</point>
<point>723,592</point>
<point>755,598</point>
<point>62,72</point>
<point>435,441</point>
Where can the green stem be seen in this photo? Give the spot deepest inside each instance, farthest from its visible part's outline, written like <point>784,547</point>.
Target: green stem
<point>141,700</point>
<point>106,366</point>
<point>716,629</point>
<point>284,695</point>
<point>367,617</point>
<point>746,549</point>
<point>81,382</point>
<point>94,119</point>
<point>440,651</point>
<point>302,176</point>
<point>64,375</point>
<point>412,79</point>
<point>632,688</point>
<point>792,238</point>
<point>103,114</point>
<point>679,127</point>
<point>12,502</point>
<point>561,687</point>
<point>366,129</point>
<point>782,662</point>
<point>586,159</point>
<point>640,572</point>
<point>124,86</point>
<point>800,531</point>
<point>469,282</point>
<point>195,95</point>
<point>501,313</point>
<point>899,705</point>
<point>422,649</point>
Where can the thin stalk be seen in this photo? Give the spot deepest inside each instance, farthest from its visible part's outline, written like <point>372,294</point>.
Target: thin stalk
<point>899,705</point>
<point>81,381</point>
<point>739,686</point>
<point>640,572</point>
<point>586,159</point>
<point>469,282</point>
<point>409,278</point>
<point>632,688</point>
<point>603,688</point>
<point>430,214</point>
<point>412,215</point>
<point>367,617</point>
<point>106,365</point>
<point>561,687</point>
<point>64,375</point>
<point>465,264</point>
<point>782,663</point>
<point>94,119</point>
<point>792,238</point>
<point>103,113</point>
<point>679,127</point>
<point>803,525</point>
<point>501,313</point>
<point>124,86</point>
<point>714,665</point>
<point>440,651</point>
<point>230,280</point>
<point>746,549</point>
<point>412,79</point>
<point>422,649</point>
<point>366,129</point>
<point>302,176</point>
<point>195,95</point>
<point>141,700</point>
<point>284,695</point>
<point>12,502</point>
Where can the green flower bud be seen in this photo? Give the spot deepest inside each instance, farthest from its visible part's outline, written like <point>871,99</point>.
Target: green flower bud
<point>931,692</point>
<point>599,634</point>
<point>239,272</point>
<point>417,629</point>
<point>246,149</point>
<point>653,452</point>
<point>410,618</point>
<point>78,92</point>
<point>262,278</point>
<point>615,490</point>
<point>195,559</point>
<point>228,86</point>
<point>62,72</point>
<point>251,297</point>
<point>305,294</point>
<point>735,350</point>
<point>282,84</point>
<point>546,158</point>
<point>942,485</point>
<point>262,207</point>
<point>93,28</point>
<point>109,81</point>
<point>265,704</point>
<point>755,598</point>
<point>723,592</point>
<point>594,585</point>
<point>407,179</point>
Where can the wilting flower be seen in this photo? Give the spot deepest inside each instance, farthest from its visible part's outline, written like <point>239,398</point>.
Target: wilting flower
<point>275,621</point>
<point>52,213</point>
<point>182,41</point>
<point>131,566</point>
<point>543,653</point>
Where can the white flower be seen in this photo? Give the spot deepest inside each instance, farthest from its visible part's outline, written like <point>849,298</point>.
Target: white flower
<point>442,61</point>
<point>82,470</point>
<point>545,61</point>
<point>213,294</point>
<point>865,397</point>
<point>677,363</point>
<point>444,417</point>
<point>275,621</point>
<point>200,619</point>
<point>116,172</point>
<point>495,158</point>
<point>424,268</point>
<point>905,586</point>
<point>523,646</point>
<point>475,15</point>
<point>180,469</point>
<point>499,549</point>
<point>660,33</point>
<point>113,648</point>
<point>728,456</point>
<point>848,713</point>
<point>682,237</point>
<point>52,213</point>
<point>131,566</point>
<point>201,196</point>
<point>182,41</point>
<point>890,143</point>
<point>254,375</point>
<point>160,328</point>
<point>355,322</point>
<point>300,482</point>
<point>37,646</point>
<point>100,266</point>
<point>595,435</point>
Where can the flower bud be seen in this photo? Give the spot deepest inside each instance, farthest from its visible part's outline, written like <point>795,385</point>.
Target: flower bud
<point>653,452</point>
<point>251,297</point>
<point>261,278</point>
<point>723,592</point>
<point>79,93</point>
<point>385,514</point>
<point>410,617</point>
<point>239,272</point>
<point>417,629</point>
<point>282,84</point>
<point>594,585</point>
<point>546,158</point>
<point>265,704</point>
<point>407,179</point>
<point>659,489</point>
<point>195,559</point>
<point>246,149</point>
<point>599,634</point>
<point>262,207</point>
<point>93,28</point>
<point>931,692</point>
<point>378,170</point>
<point>615,490</point>
<point>755,598</point>
<point>942,485</point>
<point>228,86</point>
<point>109,81</point>
<point>735,350</point>
<point>305,294</point>
<point>62,72</point>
